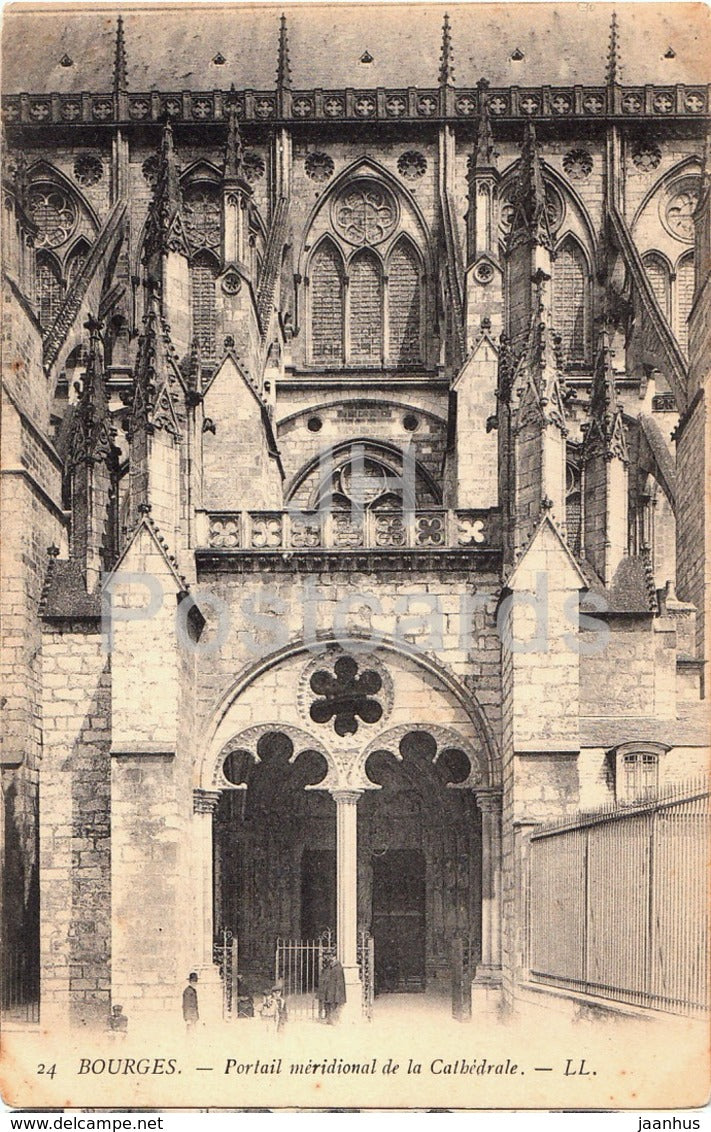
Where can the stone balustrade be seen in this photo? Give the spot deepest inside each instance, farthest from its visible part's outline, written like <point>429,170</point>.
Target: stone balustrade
<point>406,104</point>
<point>280,531</point>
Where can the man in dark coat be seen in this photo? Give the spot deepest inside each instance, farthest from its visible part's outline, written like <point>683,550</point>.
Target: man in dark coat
<point>190,1002</point>
<point>331,989</point>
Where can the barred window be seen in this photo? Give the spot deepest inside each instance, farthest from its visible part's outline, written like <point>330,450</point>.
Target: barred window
<point>571,302</point>
<point>404,305</point>
<point>684,298</point>
<point>49,290</point>
<point>327,305</point>
<point>658,275</point>
<point>366,309</point>
<point>203,273</point>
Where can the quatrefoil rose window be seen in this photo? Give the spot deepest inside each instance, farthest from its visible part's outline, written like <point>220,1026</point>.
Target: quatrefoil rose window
<point>54,214</point>
<point>678,217</point>
<point>345,696</point>
<point>365,213</point>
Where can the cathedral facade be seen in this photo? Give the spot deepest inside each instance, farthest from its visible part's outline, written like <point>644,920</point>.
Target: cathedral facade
<point>355,446</point>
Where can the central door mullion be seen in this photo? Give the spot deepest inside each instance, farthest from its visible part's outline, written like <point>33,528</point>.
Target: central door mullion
<point>347,894</point>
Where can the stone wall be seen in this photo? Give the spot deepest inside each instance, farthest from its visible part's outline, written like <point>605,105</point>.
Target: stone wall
<point>692,552</point>
<point>30,500</point>
<point>75,831</point>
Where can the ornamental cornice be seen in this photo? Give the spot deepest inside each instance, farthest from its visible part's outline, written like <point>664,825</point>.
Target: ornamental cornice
<point>485,560</point>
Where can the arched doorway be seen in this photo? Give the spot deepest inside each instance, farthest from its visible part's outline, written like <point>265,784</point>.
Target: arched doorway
<point>347,812</point>
<point>269,836</point>
<point>419,866</point>
<point>418,876</point>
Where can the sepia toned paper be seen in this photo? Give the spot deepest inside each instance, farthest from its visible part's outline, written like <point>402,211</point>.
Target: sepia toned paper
<point>355,568</point>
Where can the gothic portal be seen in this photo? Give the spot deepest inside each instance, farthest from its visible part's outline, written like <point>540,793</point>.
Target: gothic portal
<point>355,553</point>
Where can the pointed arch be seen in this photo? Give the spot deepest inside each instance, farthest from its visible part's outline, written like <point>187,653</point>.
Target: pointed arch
<point>202,213</point>
<point>366,167</point>
<point>43,172</point>
<point>204,269</point>
<point>689,165</point>
<point>658,272</point>
<point>576,212</point>
<point>200,170</point>
<point>684,298</point>
<point>314,481</point>
<point>50,291</point>
<point>365,314</point>
<point>76,259</point>
<point>326,281</point>
<point>404,274</point>
<point>571,301</point>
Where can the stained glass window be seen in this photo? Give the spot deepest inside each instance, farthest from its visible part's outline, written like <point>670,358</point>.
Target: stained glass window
<point>684,298</point>
<point>54,213</point>
<point>366,309</point>
<point>571,302</point>
<point>203,272</point>
<point>327,305</point>
<point>404,306</point>
<point>76,261</point>
<point>658,275</point>
<point>49,291</point>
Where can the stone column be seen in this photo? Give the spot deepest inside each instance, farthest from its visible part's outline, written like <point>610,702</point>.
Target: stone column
<point>347,897</point>
<point>489,970</point>
<point>209,985</point>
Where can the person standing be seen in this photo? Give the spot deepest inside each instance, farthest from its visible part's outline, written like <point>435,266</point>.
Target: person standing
<point>191,1014</point>
<point>331,990</point>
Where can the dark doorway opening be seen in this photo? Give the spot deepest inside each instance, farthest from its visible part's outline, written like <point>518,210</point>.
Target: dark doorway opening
<point>399,920</point>
<point>318,892</point>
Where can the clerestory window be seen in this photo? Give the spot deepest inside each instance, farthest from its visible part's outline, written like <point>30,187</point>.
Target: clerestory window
<point>571,303</point>
<point>366,310</point>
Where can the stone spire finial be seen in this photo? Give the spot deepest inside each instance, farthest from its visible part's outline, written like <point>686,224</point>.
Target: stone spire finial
<point>92,435</point>
<point>120,70</point>
<point>146,372</point>
<point>530,207</point>
<point>605,422</point>
<point>157,388</point>
<point>233,146</point>
<point>446,64</point>
<point>168,179</point>
<point>283,75</point>
<point>20,178</point>
<point>613,53</point>
<point>165,230</point>
<point>484,152</point>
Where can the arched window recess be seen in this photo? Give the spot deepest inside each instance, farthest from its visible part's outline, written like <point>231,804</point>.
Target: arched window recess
<point>572,302</point>
<point>50,288</point>
<point>683,290</point>
<point>204,270</point>
<point>366,311</point>
<point>659,272</point>
<point>365,475</point>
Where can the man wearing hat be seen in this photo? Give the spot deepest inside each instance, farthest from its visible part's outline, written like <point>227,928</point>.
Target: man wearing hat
<point>190,1003</point>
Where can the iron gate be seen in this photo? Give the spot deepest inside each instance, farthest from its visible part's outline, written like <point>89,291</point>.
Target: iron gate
<point>366,964</point>
<point>298,965</point>
<point>225,956</point>
<point>19,985</point>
